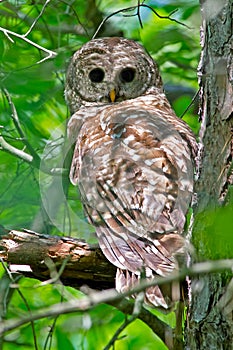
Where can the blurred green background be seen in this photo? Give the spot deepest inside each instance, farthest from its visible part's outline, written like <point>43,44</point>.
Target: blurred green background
<point>33,199</point>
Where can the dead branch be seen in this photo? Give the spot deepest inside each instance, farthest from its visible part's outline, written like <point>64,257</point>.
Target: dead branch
<point>26,252</point>
<point>76,263</point>
<point>79,263</point>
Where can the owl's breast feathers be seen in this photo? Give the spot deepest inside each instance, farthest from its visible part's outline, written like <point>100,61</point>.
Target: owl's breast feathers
<point>134,165</point>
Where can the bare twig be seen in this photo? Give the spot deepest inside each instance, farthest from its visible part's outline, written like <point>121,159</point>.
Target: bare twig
<point>110,295</point>
<point>55,275</point>
<point>8,34</point>
<point>13,280</point>
<point>64,29</point>
<point>166,17</point>
<point>20,246</point>
<point>33,158</point>
<point>31,322</point>
<point>5,146</point>
<point>84,304</point>
<point>138,14</point>
<point>137,8</point>
<point>128,320</point>
<point>28,247</point>
<point>15,118</point>
<point>190,104</point>
<point>90,263</point>
<point>37,18</point>
<point>77,18</point>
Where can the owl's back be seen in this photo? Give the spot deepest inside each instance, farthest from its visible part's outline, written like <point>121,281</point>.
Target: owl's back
<point>133,163</point>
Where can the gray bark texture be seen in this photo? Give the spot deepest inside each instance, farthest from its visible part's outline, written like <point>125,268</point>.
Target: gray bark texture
<point>209,326</point>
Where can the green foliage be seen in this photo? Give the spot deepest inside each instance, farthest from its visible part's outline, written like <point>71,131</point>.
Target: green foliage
<point>214,240</point>
<point>88,330</point>
<point>36,89</point>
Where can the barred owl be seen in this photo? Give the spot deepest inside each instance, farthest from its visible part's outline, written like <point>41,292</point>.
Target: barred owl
<point>133,160</point>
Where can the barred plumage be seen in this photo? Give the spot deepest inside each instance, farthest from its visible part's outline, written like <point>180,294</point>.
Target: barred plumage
<point>133,160</point>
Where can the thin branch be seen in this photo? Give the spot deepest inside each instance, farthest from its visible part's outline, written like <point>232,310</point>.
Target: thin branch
<point>33,158</point>
<point>139,15</point>
<point>37,18</point>
<point>48,340</point>
<point>5,146</point>
<point>55,275</point>
<point>166,17</point>
<point>128,320</point>
<point>77,18</point>
<point>31,322</point>
<point>85,263</point>
<point>14,280</point>
<point>190,104</point>
<point>8,32</point>
<point>28,247</point>
<point>111,295</point>
<point>64,29</point>
<point>15,118</point>
<point>84,304</point>
<point>108,17</point>
<point>137,7</point>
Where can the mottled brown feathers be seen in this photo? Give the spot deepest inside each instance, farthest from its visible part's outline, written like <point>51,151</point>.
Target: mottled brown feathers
<point>133,160</point>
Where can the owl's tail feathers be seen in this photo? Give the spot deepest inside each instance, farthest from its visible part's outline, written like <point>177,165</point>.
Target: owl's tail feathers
<point>163,296</point>
<point>135,255</point>
<point>160,262</point>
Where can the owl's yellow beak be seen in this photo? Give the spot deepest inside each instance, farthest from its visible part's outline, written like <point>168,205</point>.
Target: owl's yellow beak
<point>112,95</point>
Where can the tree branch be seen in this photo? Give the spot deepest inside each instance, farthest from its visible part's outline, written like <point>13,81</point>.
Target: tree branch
<point>109,296</point>
<point>137,8</point>
<point>37,18</point>
<point>5,146</point>
<point>26,252</point>
<point>33,158</point>
<point>14,115</point>
<point>8,33</point>
<point>29,253</point>
<point>135,313</point>
<point>80,264</point>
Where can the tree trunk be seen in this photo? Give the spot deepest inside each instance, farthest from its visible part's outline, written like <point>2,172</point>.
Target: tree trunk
<point>209,327</point>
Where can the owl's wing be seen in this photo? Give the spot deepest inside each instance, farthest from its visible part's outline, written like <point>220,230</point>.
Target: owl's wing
<point>75,124</point>
<point>135,176</point>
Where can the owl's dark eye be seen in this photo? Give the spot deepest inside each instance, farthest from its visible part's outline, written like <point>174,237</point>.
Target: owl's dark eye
<point>127,75</point>
<point>96,75</point>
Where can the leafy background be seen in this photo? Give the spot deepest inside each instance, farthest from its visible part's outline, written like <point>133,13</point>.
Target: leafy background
<point>34,199</point>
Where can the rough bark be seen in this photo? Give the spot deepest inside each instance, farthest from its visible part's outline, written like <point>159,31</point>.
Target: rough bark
<point>73,262</point>
<point>41,256</point>
<point>209,327</point>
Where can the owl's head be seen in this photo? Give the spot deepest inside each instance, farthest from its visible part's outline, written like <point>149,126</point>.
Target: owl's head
<point>109,70</point>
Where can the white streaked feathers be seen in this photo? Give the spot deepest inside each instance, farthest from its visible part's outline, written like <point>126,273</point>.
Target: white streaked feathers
<point>133,162</point>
